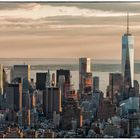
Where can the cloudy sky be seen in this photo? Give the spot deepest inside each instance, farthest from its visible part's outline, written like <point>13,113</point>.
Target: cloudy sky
<point>66,30</point>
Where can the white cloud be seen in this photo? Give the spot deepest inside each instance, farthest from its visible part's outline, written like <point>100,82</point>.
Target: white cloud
<point>84,26</point>
<point>29,6</point>
<point>48,17</point>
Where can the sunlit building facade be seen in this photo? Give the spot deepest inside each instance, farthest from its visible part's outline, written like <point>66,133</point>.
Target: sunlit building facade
<point>84,68</point>
<point>128,58</point>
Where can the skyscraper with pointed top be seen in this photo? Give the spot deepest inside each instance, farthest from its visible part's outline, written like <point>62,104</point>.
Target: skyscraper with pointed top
<point>128,57</point>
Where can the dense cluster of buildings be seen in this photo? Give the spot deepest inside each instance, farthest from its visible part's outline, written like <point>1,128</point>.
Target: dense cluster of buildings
<point>50,107</point>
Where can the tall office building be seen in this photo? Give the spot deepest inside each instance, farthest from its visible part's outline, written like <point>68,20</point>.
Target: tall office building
<point>1,85</point>
<point>136,87</point>
<point>14,97</point>
<point>32,100</point>
<point>23,72</point>
<point>65,73</point>
<point>128,58</point>
<point>63,82</point>
<point>26,118</point>
<point>26,100</point>
<point>95,83</point>
<point>61,85</point>
<point>1,79</point>
<point>115,86</point>
<point>71,112</point>
<point>84,68</point>
<point>41,81</point>
<point>5,81</point>
<point>48,78</point>
<point>51,101</point>
<point>88,82</point>
<point>53,80</point>
<point>32,86</point>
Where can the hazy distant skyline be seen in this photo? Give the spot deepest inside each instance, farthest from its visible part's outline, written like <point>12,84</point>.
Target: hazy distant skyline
<point>66,30</point>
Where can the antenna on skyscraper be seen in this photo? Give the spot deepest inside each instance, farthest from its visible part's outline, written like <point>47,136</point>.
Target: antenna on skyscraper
<point>127,23</point>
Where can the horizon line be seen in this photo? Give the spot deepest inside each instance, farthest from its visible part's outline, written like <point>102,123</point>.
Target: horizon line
<point>64,58</point>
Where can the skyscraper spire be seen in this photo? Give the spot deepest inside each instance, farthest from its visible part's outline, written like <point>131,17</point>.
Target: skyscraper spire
<point>128,58</point>
<point>127,23</point>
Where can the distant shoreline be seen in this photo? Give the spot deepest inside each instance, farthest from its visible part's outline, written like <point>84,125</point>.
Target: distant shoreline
<point>75,67</point>
<point>65,59</point>
<point>58,60</point>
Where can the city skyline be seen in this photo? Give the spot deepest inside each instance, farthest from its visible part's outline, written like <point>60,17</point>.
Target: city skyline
<point>66,30</point>
<point>59,96</point>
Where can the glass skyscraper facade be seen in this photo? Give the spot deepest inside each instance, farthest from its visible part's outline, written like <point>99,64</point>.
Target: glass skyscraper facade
<point>128,59</point>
